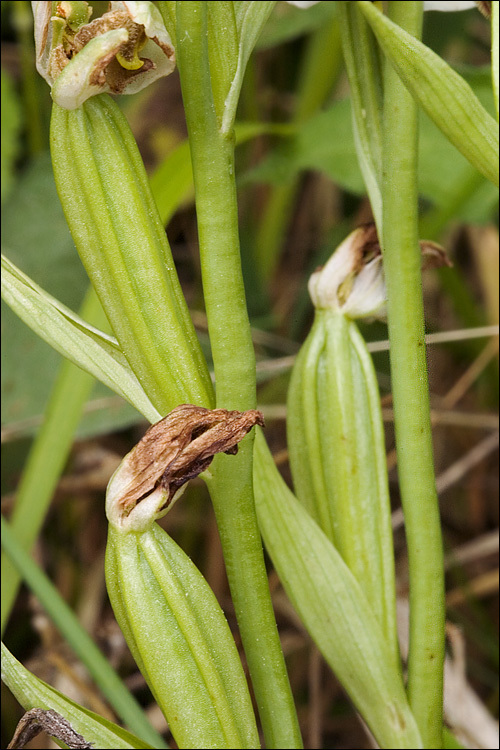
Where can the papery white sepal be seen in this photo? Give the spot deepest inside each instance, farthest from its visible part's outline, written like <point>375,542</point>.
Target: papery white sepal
<point>352,281</point>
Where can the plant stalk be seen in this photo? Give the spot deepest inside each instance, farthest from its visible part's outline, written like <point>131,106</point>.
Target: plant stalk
<point>402,262</point>
<point>230,478</point>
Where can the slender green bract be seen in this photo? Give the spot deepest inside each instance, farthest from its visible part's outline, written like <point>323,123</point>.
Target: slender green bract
<point>32,692</point>
<point>180,640</point>
<point>337,456</point>
<point>411,395</point>
<point>445,96</point>
<point>114,222</point>
<point>333,607</point>
<point>365,82</point>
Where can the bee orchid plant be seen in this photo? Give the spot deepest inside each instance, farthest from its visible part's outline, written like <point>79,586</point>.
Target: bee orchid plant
<point>331,542</point>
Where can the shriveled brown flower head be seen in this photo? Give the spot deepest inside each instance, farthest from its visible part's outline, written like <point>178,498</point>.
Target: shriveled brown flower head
<point>174,450</point>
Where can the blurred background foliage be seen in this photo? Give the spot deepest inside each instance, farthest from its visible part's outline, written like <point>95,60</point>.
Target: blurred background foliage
<point>300,193</point>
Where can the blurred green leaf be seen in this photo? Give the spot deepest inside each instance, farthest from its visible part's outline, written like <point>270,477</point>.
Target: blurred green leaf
<point>326,143</point>
<point>10,129</point>
<point>288,22</point>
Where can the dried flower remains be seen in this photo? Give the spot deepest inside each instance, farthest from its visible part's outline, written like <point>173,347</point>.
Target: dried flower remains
<point>174,450</point>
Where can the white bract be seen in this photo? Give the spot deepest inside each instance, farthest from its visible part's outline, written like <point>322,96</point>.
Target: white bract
<point>121,52</point>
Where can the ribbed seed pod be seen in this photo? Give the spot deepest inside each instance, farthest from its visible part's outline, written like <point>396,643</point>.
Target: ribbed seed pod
<point>168,614</point>
<point>334,425</point>
<point>107,201</point>
<point>180,640</point>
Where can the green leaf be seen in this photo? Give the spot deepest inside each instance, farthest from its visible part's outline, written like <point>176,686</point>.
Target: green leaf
<point>83,345</point>
<point>81,643</point>
<point>332,606</point>
<point>495,62</point>
<point>180,640</point>
<point>444,95</point>
<point>326,143</point>
<point>34,693</point>
<point>10,131</point>
<point>250,18</point>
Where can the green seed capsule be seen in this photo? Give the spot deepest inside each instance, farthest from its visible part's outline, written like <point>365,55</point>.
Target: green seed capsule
<point>335,429</point>
<point>107,201</point>
<point>168,614</point>
<point>180,640</point>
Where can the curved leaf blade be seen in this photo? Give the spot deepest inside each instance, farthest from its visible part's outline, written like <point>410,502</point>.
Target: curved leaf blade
<point>444,95</point>
<point>82,344</point>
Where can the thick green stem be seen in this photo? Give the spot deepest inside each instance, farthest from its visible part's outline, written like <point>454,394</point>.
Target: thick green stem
<point>411,395</point>
<point>230,480</point>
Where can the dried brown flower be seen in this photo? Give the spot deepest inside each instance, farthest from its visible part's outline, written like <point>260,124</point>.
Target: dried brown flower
<point>174,450</point>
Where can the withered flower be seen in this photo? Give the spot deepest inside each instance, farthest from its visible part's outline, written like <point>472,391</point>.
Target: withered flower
<point>122,51</point>
<point>177,448</point>
<point>352,281</point>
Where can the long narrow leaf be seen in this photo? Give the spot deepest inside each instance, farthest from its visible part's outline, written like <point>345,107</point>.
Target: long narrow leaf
<point>82,344</point>
<point>32,692</point>
<point>78,638</point>
<point>444,95</point>
<point>332,606</point>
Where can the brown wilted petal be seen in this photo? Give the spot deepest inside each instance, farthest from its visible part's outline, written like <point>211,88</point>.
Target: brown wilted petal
<point>352,281</point>
<point>174,450</point>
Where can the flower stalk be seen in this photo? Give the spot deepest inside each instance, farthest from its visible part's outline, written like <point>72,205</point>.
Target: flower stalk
<point>230,482</point>
<point>411,394</point>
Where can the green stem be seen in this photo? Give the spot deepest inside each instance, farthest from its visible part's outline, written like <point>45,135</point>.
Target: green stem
<point>411,395</point>
<point>230,479</point>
